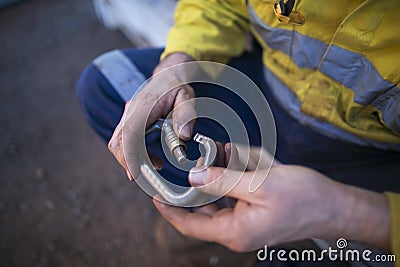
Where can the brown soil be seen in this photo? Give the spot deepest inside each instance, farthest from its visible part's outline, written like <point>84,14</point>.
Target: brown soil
<point>64,201</point>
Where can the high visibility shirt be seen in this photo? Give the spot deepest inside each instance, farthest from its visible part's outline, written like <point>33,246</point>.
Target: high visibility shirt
<point>338,73</point>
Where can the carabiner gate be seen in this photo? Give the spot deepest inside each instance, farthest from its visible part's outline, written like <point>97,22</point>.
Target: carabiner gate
<point>177,148</point>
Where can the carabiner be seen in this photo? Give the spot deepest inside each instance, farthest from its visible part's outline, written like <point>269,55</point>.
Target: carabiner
<point>177,148</point>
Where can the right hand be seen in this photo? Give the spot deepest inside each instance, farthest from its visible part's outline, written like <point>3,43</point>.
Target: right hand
<point>148,106</point>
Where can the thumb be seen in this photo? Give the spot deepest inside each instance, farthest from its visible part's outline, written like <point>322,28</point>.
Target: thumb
<point>222,182</point>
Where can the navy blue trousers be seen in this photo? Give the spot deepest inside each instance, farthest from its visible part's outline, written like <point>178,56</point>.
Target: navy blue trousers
<point>368,168</point>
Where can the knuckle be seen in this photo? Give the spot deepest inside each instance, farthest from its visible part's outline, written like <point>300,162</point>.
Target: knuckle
<point>119,137</point>
<point>184,92</point>
<point>189,90</point>
<point>214,174</point>
<point>112,146</point>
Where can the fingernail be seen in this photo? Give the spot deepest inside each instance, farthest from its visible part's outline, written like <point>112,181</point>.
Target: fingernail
<point>185,131</point>
<point>198,176</point>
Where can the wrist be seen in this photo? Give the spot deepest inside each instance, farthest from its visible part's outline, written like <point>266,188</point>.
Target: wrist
<point>361,215</point>
<point>171,60</point>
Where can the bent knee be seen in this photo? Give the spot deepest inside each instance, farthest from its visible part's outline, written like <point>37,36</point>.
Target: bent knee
<point>111,70</point>
<point>103,88</point>
<point>88,83</point>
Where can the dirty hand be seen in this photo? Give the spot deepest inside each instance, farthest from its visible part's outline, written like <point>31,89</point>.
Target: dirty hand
<point>150,104</point>
<point>293,203</point>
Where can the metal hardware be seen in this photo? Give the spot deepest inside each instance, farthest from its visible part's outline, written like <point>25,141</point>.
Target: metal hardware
<point>285,13</point>
<point>177,148</point>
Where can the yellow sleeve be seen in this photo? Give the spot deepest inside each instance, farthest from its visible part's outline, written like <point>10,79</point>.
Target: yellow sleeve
<point>212,30</point>
<point>394,200</point>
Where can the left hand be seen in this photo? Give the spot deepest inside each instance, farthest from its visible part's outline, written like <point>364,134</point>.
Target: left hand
<point>293,203</point>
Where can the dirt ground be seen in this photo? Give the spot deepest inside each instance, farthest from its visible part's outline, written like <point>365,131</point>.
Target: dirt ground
<point>64,201</point>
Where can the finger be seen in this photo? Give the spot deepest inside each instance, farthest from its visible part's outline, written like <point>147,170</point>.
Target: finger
<point>127,156</point>
<point>225,182</point>
<point>184,112</point>
<point>209,209</point>
<point>220,159</point>
<point>160,106</point>
<point>154,101</point>
<point>115,145</point>
<point>156,161</point>
<point>143,110</point>
<point>198,225</point>
<point>232,157</point>
<point>129,176</point>
<point>228,153</point>
<point>259,158</point>
<point>116,148</point>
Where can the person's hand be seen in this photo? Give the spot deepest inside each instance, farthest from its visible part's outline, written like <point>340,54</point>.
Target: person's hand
<point>293,203</point>
<point>150,104</point>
